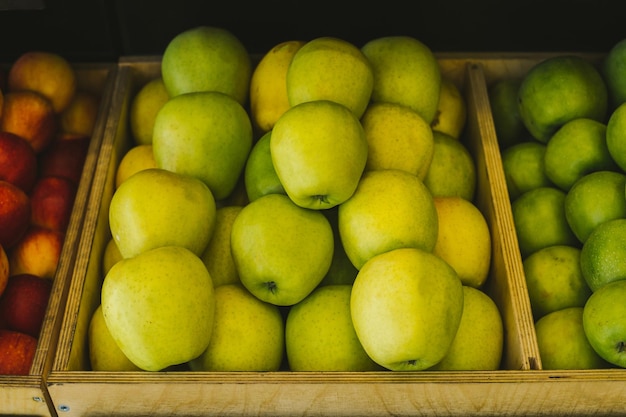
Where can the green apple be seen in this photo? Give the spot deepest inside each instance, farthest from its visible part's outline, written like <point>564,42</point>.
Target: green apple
<point>510,129</point>
<point>390,209</point>
<point>594,199</point>
<point>563,343</point>
<point>576,149</point>
<point>260,177</point>
<point>559,89</point>
<point>452,170</point>
<point>110,256</point>
<point>144,107</point>
<point>207,135</point>
<point>104,354</point>
<point>524,168</point>
<point>539,217</point>
<point>319,151</point>
<point>207,58</point>
<point>281,250</point>
<point>616,136</point>
<point>613,68</point>
<point>406,307</point>
<point>248,334</point>
<point>320,336</point>
<point>554,280</point>
<point>604,323</point>
<point>329,68</point>
<point>405,72</point>
<point>603,253</point>
<point>479,340</point>
<point>156,207</point>
<point>217,256</point>
<point>159,307</point>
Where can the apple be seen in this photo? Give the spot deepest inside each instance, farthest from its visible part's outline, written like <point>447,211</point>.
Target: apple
<point>159,307</point>
<point>207,135</point>
<point>37,253</point>
<point>137,158</point>
<point>319,152</point>
<point>104,353</point>
<point>406,307</point>
<point>405,72</point>
<point>144,107</point>
<point>217,256</point>
<point>281,250</point>
<point>17,352</point>
<point>260,177</point>
<point>329,68</point>
<point>4,270</point>
<point>52,200</point>
<point>389,209</point>
<point>14,214</point>
<point>81,114</point>
<point>560,89</point>
<point>562,341</point>
<point>24,302</point>
<point>320,336</point>
<point>248,334</point>
<point>479,340</point>
<point>206,58</point>
<point>156,207</point>
<point>65,157</point>
<point>47,73</point>
<point>18,161</point>
<point>111,256</point>
<point>604,324</point>
<point>30,115</point>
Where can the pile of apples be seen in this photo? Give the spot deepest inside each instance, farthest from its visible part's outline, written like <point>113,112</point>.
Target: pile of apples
<point>46,123</point>
<point>236,238</point>
<point>560,127</point>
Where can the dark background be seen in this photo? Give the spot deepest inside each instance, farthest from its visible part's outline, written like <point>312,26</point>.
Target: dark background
<point>104,30</point>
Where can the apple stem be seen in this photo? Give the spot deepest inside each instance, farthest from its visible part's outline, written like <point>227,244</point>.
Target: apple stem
<point>271,286</point>
<point>321,198</point>
<point>621,346</point>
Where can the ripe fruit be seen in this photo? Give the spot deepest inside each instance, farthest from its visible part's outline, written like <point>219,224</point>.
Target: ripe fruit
<point>17,351</point>
<point>24,302</point>
<point>559,89</point>
<point>603,253</point>
<point>14,214</point>
<point>18,161</point>
<point>144,108</point>
<point>206,58</point>
<point>524,168</point>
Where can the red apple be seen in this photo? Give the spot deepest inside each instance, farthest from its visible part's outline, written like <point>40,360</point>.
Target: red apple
<point>47,73</point>
<point>4,270</point>
<point>18,161</point>
<point>51,202</point>
<point>30,115</point>
<point>14,214</point>
<point>24,302</point>
<point>65,157</point>
<point>37,253</point>
<point>17,352</point>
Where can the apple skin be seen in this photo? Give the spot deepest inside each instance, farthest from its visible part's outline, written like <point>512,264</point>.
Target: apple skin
<point>604,324</point>
<point>18,161</point>
<point>65,157</point>
<point>17,351</point>
<point>14,214</point>
<point>30,115</point>
<point>37,253</point>
<point>24,302</point>
<point>52,201</point>
<point>80,116</point>
<point>4,271</point>
<point>47,73</point>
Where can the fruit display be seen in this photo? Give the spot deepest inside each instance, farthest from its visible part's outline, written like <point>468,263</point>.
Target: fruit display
<point>338,173</point>
<point>559,128</point>
<point>315,301</point>
<point>46,125</point>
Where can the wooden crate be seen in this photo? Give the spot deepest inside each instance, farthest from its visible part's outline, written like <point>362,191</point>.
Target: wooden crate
<point>27,395</point>
<point>521,387</point>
